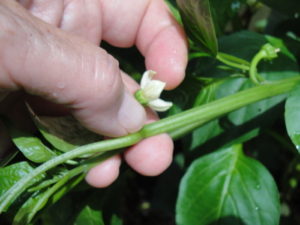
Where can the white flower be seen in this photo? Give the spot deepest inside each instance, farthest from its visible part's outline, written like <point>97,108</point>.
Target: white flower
<point>150,92</point>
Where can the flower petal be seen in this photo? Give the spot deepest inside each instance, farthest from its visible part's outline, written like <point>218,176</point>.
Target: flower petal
<point>153,89</point>
<point>160,105</point>
<point>147,77</point>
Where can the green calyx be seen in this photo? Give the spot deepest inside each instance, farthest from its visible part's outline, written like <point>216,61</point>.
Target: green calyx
<point>269,52</point>
<point>139,96</point>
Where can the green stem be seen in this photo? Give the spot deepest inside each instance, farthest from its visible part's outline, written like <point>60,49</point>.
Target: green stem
<point>46,195</point>
<point>195,55</point>
<point>195,117</point>
<point>98,147</point>
<point>191,119</point>
<point>267,52</point>
<point>233,61</point>
<point>254,76</point>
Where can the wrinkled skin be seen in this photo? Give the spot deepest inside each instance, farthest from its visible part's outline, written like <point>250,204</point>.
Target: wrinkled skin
<point>49,48</point>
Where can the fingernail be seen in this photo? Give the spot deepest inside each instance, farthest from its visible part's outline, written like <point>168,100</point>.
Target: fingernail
<point>132,115</point>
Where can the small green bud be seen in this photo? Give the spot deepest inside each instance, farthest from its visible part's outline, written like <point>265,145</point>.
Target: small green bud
<point>269,51</point>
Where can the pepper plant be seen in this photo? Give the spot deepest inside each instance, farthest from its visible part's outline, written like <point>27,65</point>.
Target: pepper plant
<point>235,121</point>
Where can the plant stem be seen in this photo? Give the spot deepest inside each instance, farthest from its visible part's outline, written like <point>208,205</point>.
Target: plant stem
<point>233,61</point>
<point>267,52</point>
<point>183,122</point>
<point>46,195</point>
<point>254,76</point>
<point>195,117</point>
<point>195,55</point>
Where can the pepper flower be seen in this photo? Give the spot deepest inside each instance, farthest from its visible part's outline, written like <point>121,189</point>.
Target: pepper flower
<point>150,92</point>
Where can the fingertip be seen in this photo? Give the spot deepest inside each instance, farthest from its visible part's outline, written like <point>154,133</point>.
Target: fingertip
<point>167,55</point>
<point>105,173</point>
<point>151,156</point>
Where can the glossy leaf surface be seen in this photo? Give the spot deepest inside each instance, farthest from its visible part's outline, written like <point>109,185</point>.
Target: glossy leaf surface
<point>292,116</point>
<point>31,147</point>
<point>226,187</point>
<point>9,175</point>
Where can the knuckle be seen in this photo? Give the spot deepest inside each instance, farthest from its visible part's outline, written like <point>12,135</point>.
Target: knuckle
<point>105,86</point>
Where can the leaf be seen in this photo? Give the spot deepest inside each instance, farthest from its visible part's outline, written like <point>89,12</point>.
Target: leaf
<point>174,10</point>
<point>115,220</point>
<point>227,186</point>
<point>292,116</point>
<point>183,97</point>
<point>89,216</point>
<point>60,213</point>
<point>9,175</point>
<point>228,11</point>
<point>39,199</point>
<point>199,25</point>
<point>210,129</point>
<point>23,216</point>
<point>54,130</point>
<point>246,114</point>
<point>31,147</point>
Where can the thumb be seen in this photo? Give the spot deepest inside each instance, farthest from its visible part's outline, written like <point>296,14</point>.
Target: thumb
<point>47,62</point>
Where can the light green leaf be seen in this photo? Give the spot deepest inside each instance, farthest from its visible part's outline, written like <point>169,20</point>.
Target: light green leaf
<point>31,147</point>
<point>9,175</point>
<point>89,216</point>
<point>292,116</point>
<point>199,25</point>
<point>226,187</point>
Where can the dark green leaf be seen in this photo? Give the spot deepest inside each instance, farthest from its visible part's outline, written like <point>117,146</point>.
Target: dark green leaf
<point>226,187</point>
<point>115,220</point>
<point>198,22</point>
<point>66,187</point>
<point>54,130</point>
<point>29,208</point>
<point>60,213</point>
<point>211,129</point>
<point>224,11</point>
<point>39,199</point>
<point>292,116</point>
<point>89,216</point>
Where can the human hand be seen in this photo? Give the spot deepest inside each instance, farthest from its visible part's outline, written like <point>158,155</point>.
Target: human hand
<point>51,50</point>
